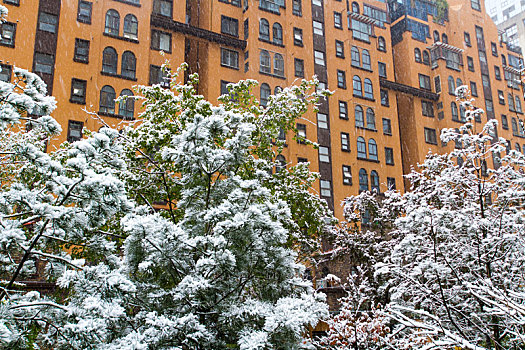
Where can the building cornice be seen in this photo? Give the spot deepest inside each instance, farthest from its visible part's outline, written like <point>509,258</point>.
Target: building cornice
<point>407,89</point>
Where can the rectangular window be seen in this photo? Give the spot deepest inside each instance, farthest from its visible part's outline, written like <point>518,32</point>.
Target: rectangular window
<point>299,68</point>
<point>229,58</point>
<point>8,34</point>
<point>382,69</point>
<point>302,160</point>
<point>504,122</point>
<point>322,121</point>
<point>163,7</point>
<point>229,26</point>
<point>81,51</point>
<point>391,183</point>
<point>339,49</point>
<point>501,97</point>
<point>297,8</point>
<point>301,133</point>
<point>338,20</point>
<point>158,76</point>
<point>343,110</point>
<point>74,131</point>
<point>387,126</point>
<point>470,64</point>
<point>12,2</point>
<point>246,29</point>
<point>44,63</point>
<point>424,82</point>
<point>78,91</point>
<point>473,89</point>
<point>467,39</point>
<point>497,73</point>
<point>437,84</point>
<point>384,97</point>
<point>298,37</point>
<point>389,156</point>
<point>345,142</point>
<point>430,136</point>
<point>324,155</point>
<point>347,175</point>
<point>361,30</point>
<point>84,11</point>
<point>427,108</point>
<point>326,188</point>
<point>161,41</point>
<point>341,79</point>
<point>475,4</point>
<point>233,2</point>
<point>494,49</point>
<point>47,22</point>
<point>319,58</point>
<point>318,28</point>
<point>5,72</point>
<point>317,2</point>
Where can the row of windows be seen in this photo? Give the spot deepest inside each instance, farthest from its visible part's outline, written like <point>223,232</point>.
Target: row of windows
<point>110,63</point>
<point>112,25</point>
<point>277,32</point>
<point>364,184</point>
<point>265,63</point>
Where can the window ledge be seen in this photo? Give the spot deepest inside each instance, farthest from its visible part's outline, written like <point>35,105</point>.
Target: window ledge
<point>85,21</point>
<point>270,11</point>
<point>17,4</point>
<point>8,45</point>
<point>387,133</point>
<point>364,98</point>
<point>230,67</point>
<point>391,164</point>
<point>129,3</point>
<point>345,150</point>
<point>112,115</point>
<point>117,76</point>
<point>80,61</point>
<point>362,68</point>
<point>272,43</point>
<point>273,75</point>
<point>77,102</point>
<point>131,40</point>
<point>298,44</point>
<point>368,160</point>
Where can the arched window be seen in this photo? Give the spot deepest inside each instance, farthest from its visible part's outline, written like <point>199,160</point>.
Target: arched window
<point>265,94</point>
<point>131,26</point>
<point>514,126</point>
<point>356,57</point>
<point>511,102</point>
<point>381,44</point>
<point>277,90</point>
<point>503,60</point>
<point>454,110</point>
<point>112,22</point>
<point>372,149</point>
<point>436,36</point>
<point>366,59</point>
<point>369,90</point>
<point>280,163</point>
<point>127,107</point>
<point>109,60</point>
<point>363,180</point>
<point>264,29</point>
<point>451,85</point>
<point>518,148</point>
<point>129,64</point>
<point>444,38</point>
<point>107,100</point>
<point>278,64</point>
<point>355,7</point>
<point>370,119</point>
<point>359,116</point>
<point>374,179</point>
<point>426,57</point>
<point>417,55</point>
<point>265,62</point>
<point>361,148</point>
<point>277,34</point>
<point>358,88</point>
<point>459,82</point>
<point>518,103</point>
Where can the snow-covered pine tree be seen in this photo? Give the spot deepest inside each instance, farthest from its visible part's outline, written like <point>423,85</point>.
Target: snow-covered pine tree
<point>454,279</point>
<point>207,259</point>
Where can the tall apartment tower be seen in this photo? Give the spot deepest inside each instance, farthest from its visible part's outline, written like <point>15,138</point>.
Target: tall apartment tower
<point>89,52</point>
<point>437,51</point>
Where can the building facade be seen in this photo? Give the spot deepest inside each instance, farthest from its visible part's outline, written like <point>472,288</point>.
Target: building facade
<point>393,67</point>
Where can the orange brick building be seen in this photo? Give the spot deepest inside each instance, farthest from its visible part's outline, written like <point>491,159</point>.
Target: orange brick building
<point>391,66</point>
